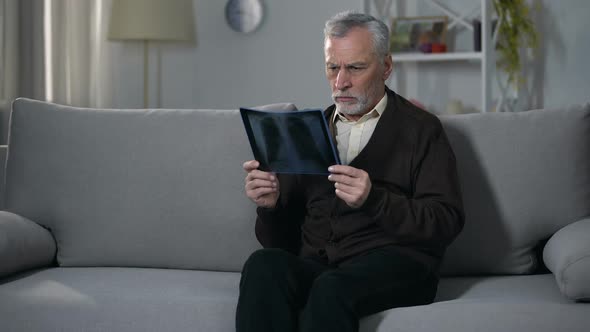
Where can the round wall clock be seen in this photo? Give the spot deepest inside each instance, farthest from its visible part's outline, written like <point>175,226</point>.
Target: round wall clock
<point>244,15</point>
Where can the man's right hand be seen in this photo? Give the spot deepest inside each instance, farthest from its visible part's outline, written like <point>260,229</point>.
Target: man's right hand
<point>261,187</point>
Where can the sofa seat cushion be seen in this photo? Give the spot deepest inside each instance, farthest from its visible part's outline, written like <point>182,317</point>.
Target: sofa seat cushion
<point>119,299</point>
<point>132,299</point>
<point>482,304</point>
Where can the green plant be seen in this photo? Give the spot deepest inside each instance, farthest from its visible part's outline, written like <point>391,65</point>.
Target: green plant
<point>516,31</point>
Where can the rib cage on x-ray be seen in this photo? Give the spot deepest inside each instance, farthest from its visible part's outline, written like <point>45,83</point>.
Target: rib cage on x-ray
<point>291,144</point>
<point>299,147</point>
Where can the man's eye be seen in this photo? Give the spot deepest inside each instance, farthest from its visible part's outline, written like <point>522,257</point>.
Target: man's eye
<point>354,68</point>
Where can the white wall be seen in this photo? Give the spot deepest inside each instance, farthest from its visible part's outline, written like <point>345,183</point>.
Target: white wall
<point>565,52</point>
<point>283,61</point>
<point>557,75</point>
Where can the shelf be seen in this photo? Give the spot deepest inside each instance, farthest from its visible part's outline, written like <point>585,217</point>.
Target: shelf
<point>460,17</point>
<point>450,56</point>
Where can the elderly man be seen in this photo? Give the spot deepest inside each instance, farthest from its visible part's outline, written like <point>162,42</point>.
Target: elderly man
<point>371,235</point>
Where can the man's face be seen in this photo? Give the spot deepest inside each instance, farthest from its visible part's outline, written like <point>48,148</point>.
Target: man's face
<point>356,74</point>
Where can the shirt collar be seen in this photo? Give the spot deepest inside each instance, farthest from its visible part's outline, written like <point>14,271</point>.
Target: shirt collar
<point>375,112</point>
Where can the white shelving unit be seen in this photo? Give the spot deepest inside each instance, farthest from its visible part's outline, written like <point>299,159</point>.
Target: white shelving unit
<point>452,56</point>
<point>385,10</point>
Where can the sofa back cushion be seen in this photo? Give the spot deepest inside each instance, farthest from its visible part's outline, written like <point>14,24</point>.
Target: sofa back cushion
<point>142,188</point>
<point>4,119</point>
<point>3,152</point>
<point>164,188</point>
<point>524,176</point>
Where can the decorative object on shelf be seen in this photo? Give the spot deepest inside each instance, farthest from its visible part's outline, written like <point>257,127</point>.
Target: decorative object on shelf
<point>516,31</point>
<point>411,34</point>
<point>151,20</point>
<point>244,15</point>
<point>455,106</point>
<point>439,48</point>
<point>477,33</point>
<point>459,18</point>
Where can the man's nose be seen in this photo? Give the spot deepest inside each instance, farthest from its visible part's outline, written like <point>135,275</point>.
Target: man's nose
<point>343,80</point>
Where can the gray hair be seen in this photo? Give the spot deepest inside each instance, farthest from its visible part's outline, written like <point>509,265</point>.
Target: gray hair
<point>340,24</point>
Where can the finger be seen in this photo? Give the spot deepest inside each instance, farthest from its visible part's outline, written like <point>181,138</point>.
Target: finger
<point>342,179</point>
<point>346,188</point>
<point>250,165</point>
<point>256,174</point>
<point>260,183</point>
<point>353,201</point>
<point>260,192</point>
<point>345,170</point>
<point>346,197</point>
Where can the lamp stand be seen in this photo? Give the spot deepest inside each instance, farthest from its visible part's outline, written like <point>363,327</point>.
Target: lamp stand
<point>145,74</point>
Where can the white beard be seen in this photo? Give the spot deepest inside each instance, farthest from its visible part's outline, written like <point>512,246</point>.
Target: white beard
<point>352,109</point>
<point>362,104</point>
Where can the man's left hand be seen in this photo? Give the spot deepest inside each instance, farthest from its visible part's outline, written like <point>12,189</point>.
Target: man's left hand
<point>352,184</point>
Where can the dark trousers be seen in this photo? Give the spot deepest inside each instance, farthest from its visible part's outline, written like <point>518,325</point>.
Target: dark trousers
<point>282,292</point>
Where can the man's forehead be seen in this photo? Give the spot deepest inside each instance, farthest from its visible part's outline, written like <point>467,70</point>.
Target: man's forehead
<point>335,61</point>
<point>349,56</point>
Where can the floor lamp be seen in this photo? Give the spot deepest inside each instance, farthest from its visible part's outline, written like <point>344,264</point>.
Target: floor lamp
<point>151,20</point>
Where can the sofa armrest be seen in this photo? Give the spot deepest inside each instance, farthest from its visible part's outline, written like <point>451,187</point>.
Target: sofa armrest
<point>567,255</point>
<point>24,244</point>
<point>3,151</point>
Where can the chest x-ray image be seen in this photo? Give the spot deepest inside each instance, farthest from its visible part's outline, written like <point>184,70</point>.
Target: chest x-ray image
<point>290,142</point>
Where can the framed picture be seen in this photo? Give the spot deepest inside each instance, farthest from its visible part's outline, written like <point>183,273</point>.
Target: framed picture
<point>417,34</point>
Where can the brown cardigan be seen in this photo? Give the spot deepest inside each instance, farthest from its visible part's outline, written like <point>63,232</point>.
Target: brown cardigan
<point>414,203</point>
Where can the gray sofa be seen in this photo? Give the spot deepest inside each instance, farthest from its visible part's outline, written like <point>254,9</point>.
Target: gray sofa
<point>4,117</point>
<point>136,220</point>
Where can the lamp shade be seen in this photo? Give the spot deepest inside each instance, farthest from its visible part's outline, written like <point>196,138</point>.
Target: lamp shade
<point>152,20</point>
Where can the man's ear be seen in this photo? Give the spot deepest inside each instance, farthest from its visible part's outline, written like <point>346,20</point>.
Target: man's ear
<point>388,63</point>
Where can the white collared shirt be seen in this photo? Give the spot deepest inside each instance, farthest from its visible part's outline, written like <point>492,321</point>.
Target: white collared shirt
<point>353,136</point>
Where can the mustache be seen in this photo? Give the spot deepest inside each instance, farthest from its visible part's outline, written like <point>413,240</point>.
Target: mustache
<point>347,95</point>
